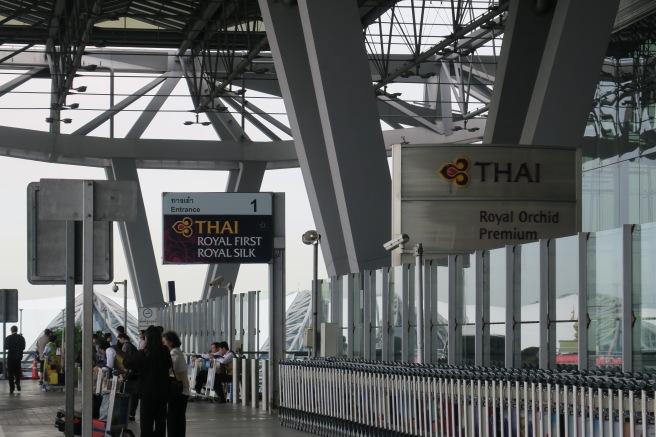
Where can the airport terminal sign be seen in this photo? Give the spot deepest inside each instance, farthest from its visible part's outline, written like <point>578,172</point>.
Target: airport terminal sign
<point>458,198</point>
<point>211,228</point>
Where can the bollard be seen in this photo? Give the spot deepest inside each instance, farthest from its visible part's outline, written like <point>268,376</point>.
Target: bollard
<point>255,382</point>
<point>245,382</point>
<point>236,370</point>
<point>265,386</point>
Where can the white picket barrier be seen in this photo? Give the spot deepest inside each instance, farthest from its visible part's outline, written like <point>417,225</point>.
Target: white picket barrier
<point>345,398</point>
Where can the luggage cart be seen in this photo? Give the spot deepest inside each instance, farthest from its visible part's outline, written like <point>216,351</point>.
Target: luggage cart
<point>53,380</point>
<point>119,409</point>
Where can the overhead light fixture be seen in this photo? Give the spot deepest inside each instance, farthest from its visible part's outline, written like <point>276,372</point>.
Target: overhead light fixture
<point>91,67</point>
<point>64,120</point>
<point>203,123</point>
<point>63,106</point>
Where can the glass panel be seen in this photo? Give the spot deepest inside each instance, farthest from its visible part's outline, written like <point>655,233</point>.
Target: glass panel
<point>440,308</point>
<point>644,298</point>
<point>358,315</point>
<point>567,352</point>
<point>465,306</point>
<point>395,313</point>
<point>527,304</point>
<point>564,290</point>
<point>325,309</point>
<point>494,304</point>
<point>605,298</point>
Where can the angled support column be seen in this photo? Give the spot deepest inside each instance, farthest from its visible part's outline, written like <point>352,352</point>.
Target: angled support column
<point>569,72</point>
<point>549,67</point>
<point>521,53</point>
<point>335,126</point>
<point>96,122</point>
<point>137,245</point>
<point>247,180</point>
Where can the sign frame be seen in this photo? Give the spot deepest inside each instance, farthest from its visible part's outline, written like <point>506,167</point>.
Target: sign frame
<point>443,193</point>
<point>217,228</point>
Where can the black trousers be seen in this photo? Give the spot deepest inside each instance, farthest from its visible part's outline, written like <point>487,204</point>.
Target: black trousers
<point>201,379</point>
<point>176,421</point>
<point>152,416</point>
<point>218,385</point>
<point>14,372</point>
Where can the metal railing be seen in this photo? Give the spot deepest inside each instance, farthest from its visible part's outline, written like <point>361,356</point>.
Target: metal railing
<point>366,398</point>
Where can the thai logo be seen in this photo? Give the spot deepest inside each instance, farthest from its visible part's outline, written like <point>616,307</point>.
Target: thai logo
<point>183,227</point>
<point>456,172</point>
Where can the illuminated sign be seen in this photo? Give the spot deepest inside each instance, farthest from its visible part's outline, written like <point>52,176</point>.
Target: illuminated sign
<point>456,198</point>
<point>214,228</point>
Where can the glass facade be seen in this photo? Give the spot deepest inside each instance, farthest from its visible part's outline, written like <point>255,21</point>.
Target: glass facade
<point>619,147</point>
<point>606,278</point>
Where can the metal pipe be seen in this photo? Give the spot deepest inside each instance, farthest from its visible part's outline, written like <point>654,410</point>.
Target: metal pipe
<point>419,299</point>
<point>315,301</point>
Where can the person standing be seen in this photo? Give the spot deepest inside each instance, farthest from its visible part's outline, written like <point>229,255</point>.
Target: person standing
<point>153,363</point>
<point>15,345</point>
<point>176,422</point>
<point>142,339</point>
<point>40,346</point>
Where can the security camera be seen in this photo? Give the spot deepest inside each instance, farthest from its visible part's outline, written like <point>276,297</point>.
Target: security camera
<point>114,288</point>
<point>395,242</point>
<point>216,281</point>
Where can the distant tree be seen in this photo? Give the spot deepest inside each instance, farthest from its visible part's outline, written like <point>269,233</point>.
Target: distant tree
<point>59,332</point>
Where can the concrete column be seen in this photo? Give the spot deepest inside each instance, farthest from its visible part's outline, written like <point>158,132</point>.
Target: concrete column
<point>326,85</point>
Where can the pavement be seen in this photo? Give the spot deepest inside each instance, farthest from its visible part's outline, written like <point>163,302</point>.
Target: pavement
<point>31,413</point>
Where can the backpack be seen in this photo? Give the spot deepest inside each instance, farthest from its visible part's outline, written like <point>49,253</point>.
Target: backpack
<point>131,348</point>
<point>118,360</point>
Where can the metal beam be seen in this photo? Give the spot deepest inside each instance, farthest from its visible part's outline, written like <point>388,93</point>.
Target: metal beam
<point>225,125</point>
<point>20,80</point>
<point>235,104</point>
<point>238,70</point>
<point>137,245</point>
<point>153,107</point>
<point>96,122</point>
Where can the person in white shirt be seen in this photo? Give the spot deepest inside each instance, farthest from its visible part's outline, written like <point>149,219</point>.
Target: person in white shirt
<point>110,355</point>
<point>224,369</point>
<point>176,420</point>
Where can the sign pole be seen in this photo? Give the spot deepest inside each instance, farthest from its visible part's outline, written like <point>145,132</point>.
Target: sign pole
<point>87,306</point>
<point>4,351</point>
<point>70,327</point>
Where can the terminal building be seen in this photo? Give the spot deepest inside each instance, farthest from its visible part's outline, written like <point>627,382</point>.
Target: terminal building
<point>482,176</point>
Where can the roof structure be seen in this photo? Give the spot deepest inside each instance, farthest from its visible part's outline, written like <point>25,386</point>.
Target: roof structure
<point>107,316</point>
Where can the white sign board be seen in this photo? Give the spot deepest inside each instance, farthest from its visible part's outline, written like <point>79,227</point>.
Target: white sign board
<point>456,198</point>
<point>147,317</point>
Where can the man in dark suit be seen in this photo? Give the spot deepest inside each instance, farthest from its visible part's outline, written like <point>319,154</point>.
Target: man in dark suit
<point>15,345</point>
